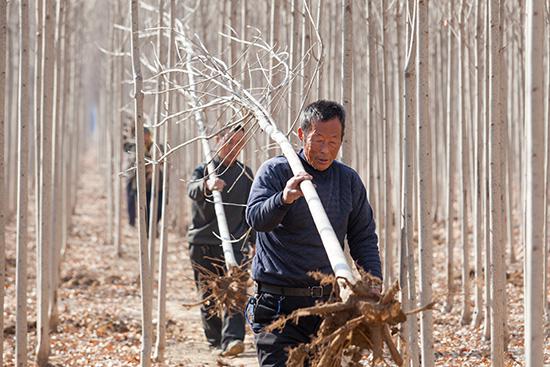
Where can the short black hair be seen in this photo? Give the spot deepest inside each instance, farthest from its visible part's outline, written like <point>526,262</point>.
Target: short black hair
<point>231,130</point>
<point>237,128</point>
<point>322,110</point>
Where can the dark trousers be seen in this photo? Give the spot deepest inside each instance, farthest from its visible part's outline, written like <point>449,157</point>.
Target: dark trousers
<point>131,196</point>
<point>219,332</point>
<point>263,309</point>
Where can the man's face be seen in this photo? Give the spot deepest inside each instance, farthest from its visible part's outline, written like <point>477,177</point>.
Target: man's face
<point>147,139</point>
<point>230,146</point>
<point>322,142</point>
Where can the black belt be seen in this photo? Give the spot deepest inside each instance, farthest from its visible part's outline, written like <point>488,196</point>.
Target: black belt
<point>315,291</point>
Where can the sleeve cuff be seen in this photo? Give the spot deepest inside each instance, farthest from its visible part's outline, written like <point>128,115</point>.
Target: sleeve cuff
<point>278,201</point>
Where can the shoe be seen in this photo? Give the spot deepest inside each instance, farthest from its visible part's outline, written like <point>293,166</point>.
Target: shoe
<point>233,348</point>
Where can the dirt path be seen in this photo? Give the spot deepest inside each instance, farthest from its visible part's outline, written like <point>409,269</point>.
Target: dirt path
<point>186,345</point>
<point>100,309</point>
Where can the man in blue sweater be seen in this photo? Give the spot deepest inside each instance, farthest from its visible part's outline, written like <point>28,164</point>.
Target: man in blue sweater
<point>288,244</point>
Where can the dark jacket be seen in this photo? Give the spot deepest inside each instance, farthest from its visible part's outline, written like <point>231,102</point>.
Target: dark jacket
<point>288,244</point>
<point>204,224</point>
<point>131,167</point>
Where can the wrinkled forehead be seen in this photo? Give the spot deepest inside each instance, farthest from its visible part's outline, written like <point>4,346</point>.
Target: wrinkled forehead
<point>327,128</point>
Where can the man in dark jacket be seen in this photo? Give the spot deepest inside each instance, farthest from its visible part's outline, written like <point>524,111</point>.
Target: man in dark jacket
<point>233,181</point>
<point>131,179</point>
<point>289,245</point>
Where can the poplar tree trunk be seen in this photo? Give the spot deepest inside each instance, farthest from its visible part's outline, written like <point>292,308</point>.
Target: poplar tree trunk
<point>347,74</point>
<point>293,91</point>
<point>463,168</point>
<point>65,159</point>
<point>37,117</point>
<point>477,216</point>
<point>534,246</point>
<point>275,19</point>
<point>57,209</point>
<point>318,90</point>
<point>145,264</point>
<point>498,274</point>
<point>451,139</point>
<point>386,226</point>
<point>12,111</point>
<point>305,67</point>
<point>108,133</point>
<point>407,268</point>
<point>120,122</point>
<point>22,188</point>
<point>486,169</point>
<point>424,180</point>
<point>3,34</point>
<point>547,165</point>
<point>160,345</point>
<point>117,123</point>
<point>346,90</point>
<point>153,204</point>
<point>44,248</point>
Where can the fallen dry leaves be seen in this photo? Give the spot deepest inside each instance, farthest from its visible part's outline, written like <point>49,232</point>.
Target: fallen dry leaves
<point>99,306</point>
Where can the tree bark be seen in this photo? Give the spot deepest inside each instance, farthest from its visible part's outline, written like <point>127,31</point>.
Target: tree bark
<point>66,214</point>
<point>486,170</point>
<point>407,268</point>
<point>43,258</point>
<point>117,123</point>
<point>293,90</point>
<point>451,139</point>
<point>463,171</point>
<point>498,273</point>
<point>37,115</point>
<point>547,165</point>
<point>3,34</point>
<point>163,256</point>
<point>477,215</point>
<point>424,181</point>
<point>145,264</point>
<point>57,209</point>
<point>347,74</point>
<point>534,120</point>
<point>386,227</point>
<point>153,204</point>
<point>22,188</point>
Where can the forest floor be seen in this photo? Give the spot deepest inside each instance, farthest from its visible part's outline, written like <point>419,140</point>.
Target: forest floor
<point>100,309</point>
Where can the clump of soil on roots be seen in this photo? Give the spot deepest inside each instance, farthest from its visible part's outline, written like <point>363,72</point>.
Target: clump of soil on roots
<point>365,321</point>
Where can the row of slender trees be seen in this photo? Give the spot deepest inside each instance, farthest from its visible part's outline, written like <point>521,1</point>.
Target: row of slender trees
<point>465,147</point>
<point>448,126</point>
<point>42,137</point>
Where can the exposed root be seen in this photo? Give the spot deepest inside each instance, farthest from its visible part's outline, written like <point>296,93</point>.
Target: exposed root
<point>350,328</point>
<point>226,290</point>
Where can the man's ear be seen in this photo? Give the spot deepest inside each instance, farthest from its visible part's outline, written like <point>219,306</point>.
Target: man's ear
<point>301,134</point>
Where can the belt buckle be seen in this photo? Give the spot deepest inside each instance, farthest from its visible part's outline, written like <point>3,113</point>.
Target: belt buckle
<point>316,291</point>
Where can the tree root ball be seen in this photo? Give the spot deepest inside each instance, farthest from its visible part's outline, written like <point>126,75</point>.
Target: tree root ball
<point>350,328</point>
<point>226,290</point>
